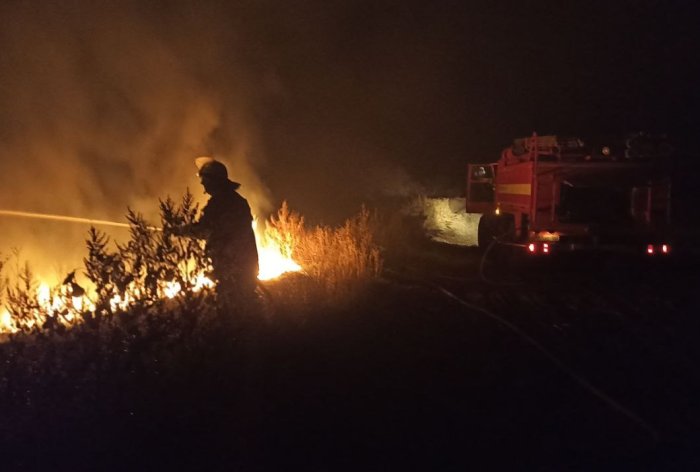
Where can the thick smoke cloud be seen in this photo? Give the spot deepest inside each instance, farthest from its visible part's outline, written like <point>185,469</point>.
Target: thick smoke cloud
<point>104,104</point>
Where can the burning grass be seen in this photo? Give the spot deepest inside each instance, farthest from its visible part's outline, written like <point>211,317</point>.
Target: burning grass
<point>140,330</point>
<point>337,259</point>
<point>156,266</point>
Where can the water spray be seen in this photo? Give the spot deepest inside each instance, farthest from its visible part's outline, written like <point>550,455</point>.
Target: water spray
<point>69,219</point>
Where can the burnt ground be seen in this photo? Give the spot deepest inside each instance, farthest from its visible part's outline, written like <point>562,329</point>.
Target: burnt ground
<point>405,377</point>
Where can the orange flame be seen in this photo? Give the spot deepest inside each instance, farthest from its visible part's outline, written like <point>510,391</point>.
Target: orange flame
<point>274,261</point>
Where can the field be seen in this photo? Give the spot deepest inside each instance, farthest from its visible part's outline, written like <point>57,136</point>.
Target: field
<point>444,362</point>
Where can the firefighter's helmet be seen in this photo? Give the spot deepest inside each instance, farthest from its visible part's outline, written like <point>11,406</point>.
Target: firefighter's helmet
<point>212,168</point>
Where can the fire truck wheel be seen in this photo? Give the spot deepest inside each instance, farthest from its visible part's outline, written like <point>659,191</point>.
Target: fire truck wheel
<point>491,226</point>
<point>485,232</point>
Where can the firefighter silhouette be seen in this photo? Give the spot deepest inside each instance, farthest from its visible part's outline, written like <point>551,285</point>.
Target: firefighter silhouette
<point>226,225</point>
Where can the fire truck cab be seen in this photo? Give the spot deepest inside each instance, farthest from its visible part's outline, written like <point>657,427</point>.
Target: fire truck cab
<point>552,193</point>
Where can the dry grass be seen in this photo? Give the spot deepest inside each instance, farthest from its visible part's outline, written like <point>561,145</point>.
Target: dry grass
<point>336,263</point>
<point>338,260</point>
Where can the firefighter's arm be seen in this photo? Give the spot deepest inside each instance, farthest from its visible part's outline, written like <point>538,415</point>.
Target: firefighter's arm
<point>200,229</point>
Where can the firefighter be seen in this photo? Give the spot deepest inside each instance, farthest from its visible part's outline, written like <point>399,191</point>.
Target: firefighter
<point>226,225</point>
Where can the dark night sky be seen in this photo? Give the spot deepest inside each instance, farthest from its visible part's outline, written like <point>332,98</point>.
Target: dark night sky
<point>430,86</point>
<point>322,103</point>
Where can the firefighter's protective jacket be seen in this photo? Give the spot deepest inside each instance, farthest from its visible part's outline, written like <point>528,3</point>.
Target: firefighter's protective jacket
<point>226,225</point>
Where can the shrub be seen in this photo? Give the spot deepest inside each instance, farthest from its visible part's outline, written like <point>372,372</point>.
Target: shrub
<point>22,302</point>
<point>154,264</point>
<point>339,260</point>
<point>136,274</point>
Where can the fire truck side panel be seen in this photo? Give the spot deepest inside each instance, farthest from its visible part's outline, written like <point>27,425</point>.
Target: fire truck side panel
<point>514,186</point>
<point>544,209</point>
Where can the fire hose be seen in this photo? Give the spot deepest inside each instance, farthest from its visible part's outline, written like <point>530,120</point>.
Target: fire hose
<point>69,219</point>
<point>558,363</point>
<point>496,241</point>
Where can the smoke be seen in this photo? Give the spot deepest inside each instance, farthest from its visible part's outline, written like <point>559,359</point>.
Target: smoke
<point>104,105</point>
<point>447,221</point>
<point>324,103</point>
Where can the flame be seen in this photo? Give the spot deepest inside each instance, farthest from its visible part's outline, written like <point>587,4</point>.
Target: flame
<point>59,302</point>
<point>77,303</point>
<point>118,302</point>
<point>271,257</point>
<point>273,263</point>
<point>7,324</point>
<point>172,288</point>
<point>202,281</point>
<point>43,294</point>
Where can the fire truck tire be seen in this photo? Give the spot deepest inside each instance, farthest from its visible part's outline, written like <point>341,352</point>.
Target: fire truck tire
<point>491,226</point>
<point>485,232</point>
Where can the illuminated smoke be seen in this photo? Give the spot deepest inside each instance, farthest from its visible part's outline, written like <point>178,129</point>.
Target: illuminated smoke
<point>104,106</point>
<point>447,221</point>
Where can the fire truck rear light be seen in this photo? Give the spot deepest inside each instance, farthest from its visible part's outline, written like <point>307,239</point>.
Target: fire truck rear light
<point>531,247</point>
<point>650,249</point>
<point>545,248</point>
<point>665,248</point>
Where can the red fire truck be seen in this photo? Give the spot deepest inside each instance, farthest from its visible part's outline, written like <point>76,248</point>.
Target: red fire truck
<point>550,193</point>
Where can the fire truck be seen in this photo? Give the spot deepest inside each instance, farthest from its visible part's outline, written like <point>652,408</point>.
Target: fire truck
<point>548,194</point>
